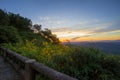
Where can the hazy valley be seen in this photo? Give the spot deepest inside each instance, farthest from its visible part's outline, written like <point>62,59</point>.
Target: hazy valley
<point>106,46</point>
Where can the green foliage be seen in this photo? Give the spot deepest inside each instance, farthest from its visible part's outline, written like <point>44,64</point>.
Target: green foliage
<point>79,62</point>
<point>10,19</point>
<point>8,34</point>
<point>4,19</point>
<point>89,64</point>
<point>21,23</point>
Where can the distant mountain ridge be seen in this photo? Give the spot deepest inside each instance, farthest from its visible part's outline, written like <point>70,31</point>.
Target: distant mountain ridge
<point>107,46</point>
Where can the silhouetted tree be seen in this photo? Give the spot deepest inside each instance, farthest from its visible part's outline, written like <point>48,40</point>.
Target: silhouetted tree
<point>21,23</point>
<point>37,27</point>
<point>50,37</point>
<point>4,18</point>
<point>22,26</point>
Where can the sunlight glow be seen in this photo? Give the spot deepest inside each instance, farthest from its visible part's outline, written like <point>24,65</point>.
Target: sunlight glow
<point>70,34</point>
<point>86,36</point>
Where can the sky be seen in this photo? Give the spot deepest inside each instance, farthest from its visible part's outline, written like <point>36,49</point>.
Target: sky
<point>71,20</point>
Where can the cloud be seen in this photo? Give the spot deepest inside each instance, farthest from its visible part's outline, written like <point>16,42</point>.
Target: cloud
<point>87,32</point>
<point>114,26</point>
<point>88,22</point>
<point>50,22</point>
<point>62,29</point>
<point>71,34</point>
<point>73,39</point>
<point>76,38</point>
<point>97,26</point>
<point>74,30</point>
<point>44,18</point>
<point>59,24</point>
<point>93,25</point>
<point>83,26</point>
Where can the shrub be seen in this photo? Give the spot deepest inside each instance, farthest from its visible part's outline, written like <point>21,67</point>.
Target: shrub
<point>8,34</point>
<point>80,62</point>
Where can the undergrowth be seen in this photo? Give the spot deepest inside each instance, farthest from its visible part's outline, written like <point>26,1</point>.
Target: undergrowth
<point>83,63</point>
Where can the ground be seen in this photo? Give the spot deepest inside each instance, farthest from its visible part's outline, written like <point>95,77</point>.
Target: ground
<point>7,72</point>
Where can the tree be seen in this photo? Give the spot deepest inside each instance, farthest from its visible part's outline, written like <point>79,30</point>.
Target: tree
<point>21,23</point>
<point>50,37</point>
<point>9,34</point>
<point>4,18</point>
<point>37,27</point>
<point>13,25</point>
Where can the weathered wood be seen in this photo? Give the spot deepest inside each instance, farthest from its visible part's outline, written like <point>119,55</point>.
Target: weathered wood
<point>18,56</point>
<point>31,67</point>
<point>5,55</point>
<point>29,72</point>
<point>50,73</point>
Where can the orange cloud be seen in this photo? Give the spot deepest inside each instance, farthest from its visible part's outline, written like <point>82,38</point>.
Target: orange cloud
<point>105,31</point>
<point>91,37</point>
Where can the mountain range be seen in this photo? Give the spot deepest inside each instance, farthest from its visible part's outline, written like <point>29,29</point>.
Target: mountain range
<point>107,46</point>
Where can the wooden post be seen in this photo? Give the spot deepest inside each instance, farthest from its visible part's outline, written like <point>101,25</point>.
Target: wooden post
<point>29,72</point>
<point>17,66</point>
<point>0,51</point>
<point>5,55</point>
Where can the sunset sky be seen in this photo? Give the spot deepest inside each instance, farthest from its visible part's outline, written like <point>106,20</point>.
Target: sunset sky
<point>73,20</point>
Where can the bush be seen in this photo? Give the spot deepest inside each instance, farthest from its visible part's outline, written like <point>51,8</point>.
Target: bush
<point>8,34</point>
<point>88,64</point>
<point>79,62</point>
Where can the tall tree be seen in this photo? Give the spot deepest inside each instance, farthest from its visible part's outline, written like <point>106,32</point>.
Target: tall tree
<point>4,18</point>
<point>37,27</point>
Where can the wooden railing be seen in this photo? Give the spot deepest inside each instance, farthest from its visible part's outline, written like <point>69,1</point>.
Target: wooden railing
<point>29,68</point>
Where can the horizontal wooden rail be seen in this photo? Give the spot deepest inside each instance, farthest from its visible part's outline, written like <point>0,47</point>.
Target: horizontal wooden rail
<point>32,67</point>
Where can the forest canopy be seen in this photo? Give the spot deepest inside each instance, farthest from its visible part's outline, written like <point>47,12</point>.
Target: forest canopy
<point>16,25</point>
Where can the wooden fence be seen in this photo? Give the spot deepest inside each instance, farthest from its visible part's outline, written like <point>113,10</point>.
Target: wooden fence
<point>29,68</point>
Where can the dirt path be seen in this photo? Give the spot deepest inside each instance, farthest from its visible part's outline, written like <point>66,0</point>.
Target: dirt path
<point>7,72</point>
